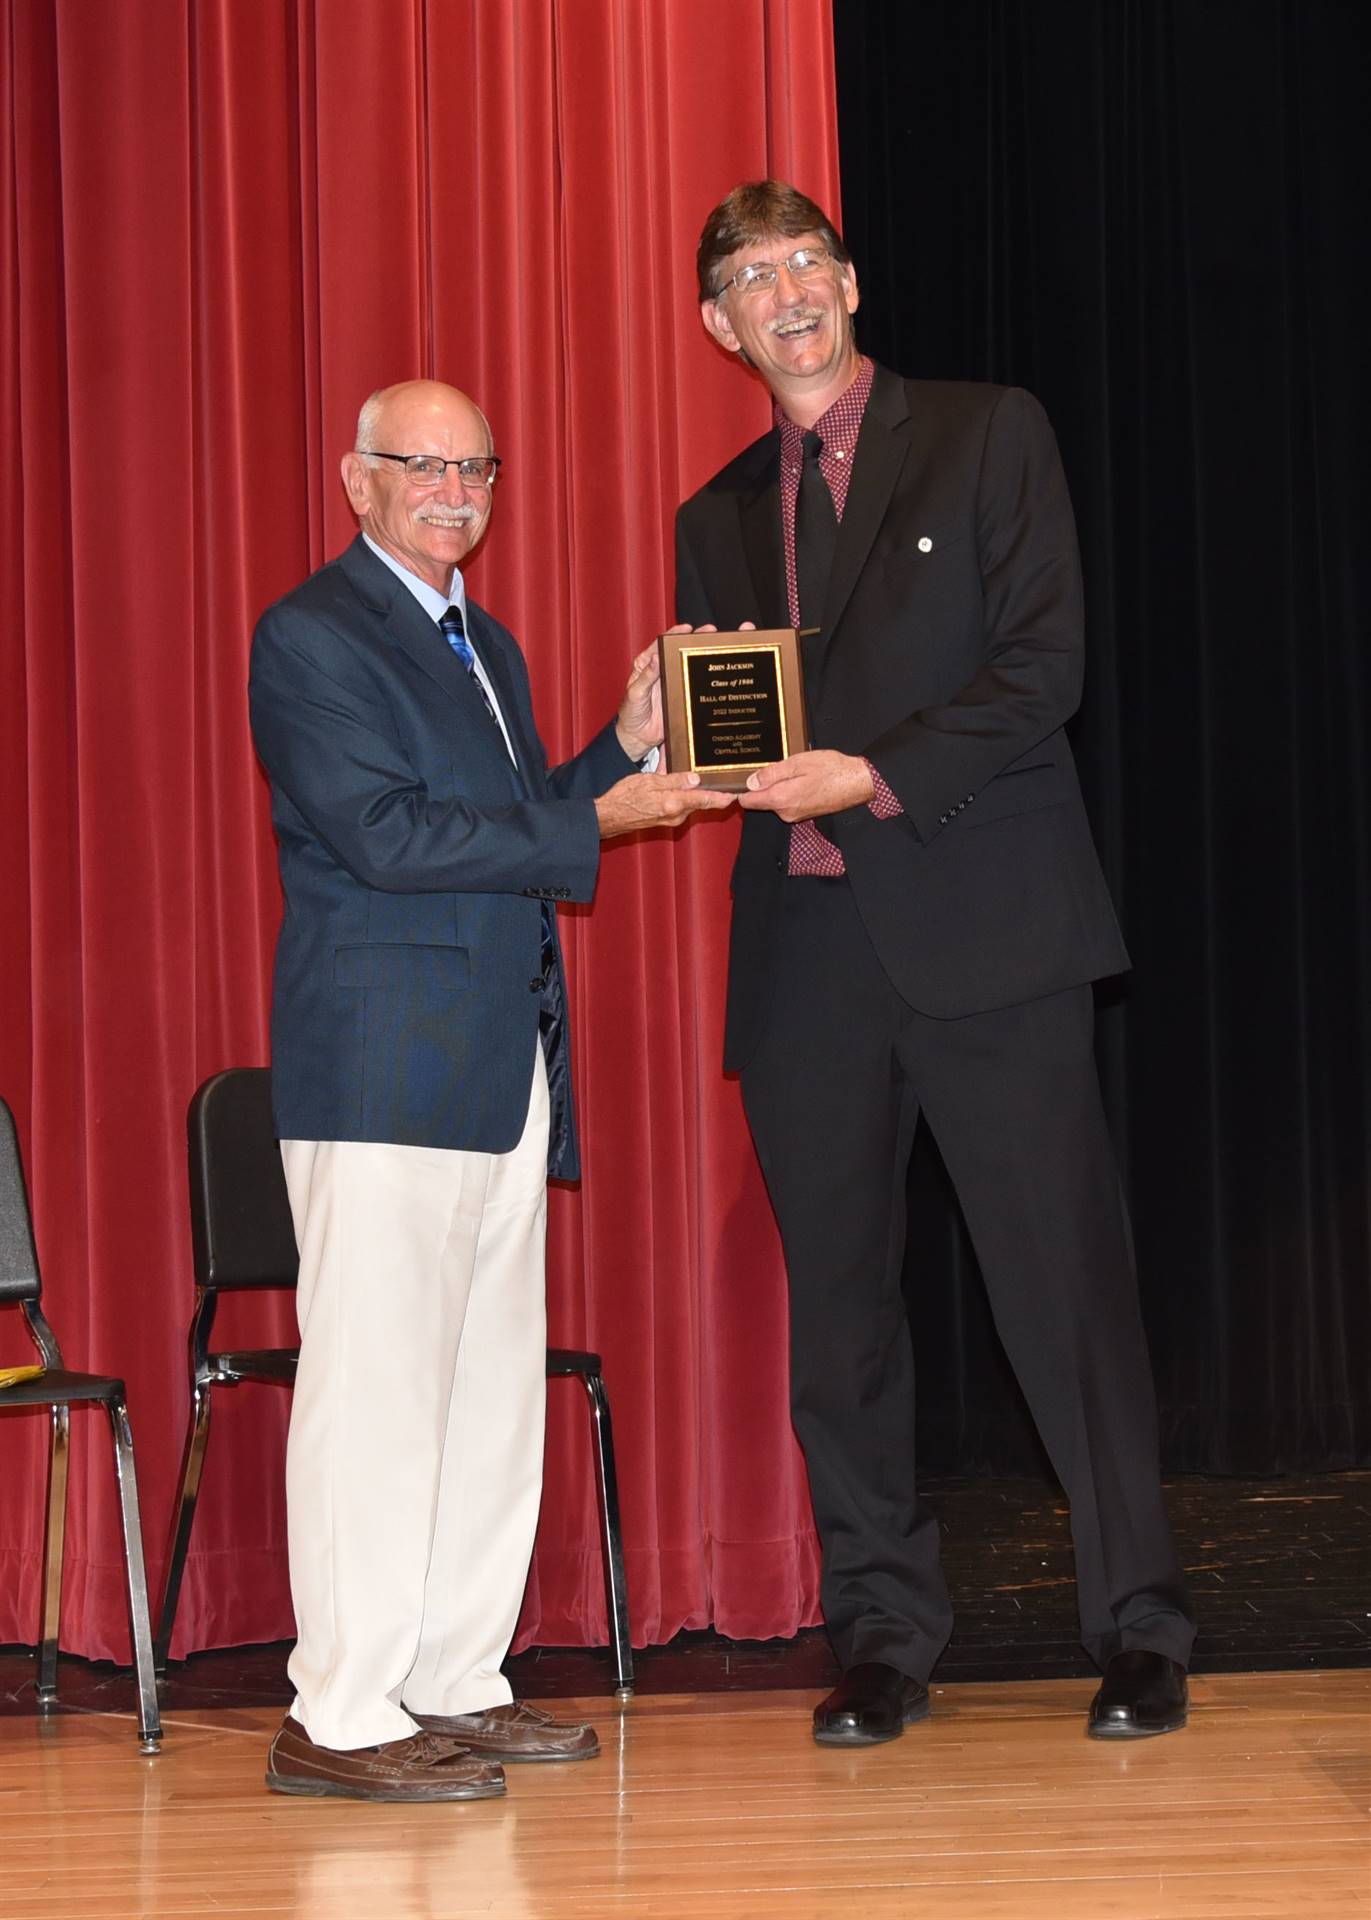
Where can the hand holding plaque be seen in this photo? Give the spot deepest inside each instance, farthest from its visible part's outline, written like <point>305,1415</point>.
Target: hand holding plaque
<point>732,702</point>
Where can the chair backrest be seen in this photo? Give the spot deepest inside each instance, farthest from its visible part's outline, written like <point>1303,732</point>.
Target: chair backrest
<point>241,1227</point>
<point>19,1278</point>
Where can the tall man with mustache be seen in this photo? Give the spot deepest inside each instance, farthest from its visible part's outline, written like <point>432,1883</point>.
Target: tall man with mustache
<point>918,913</point>
<point>421,1082</point>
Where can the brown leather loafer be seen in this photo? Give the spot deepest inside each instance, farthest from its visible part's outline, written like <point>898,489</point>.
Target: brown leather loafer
<point>515,1732</point>
<point>1143,1693</point>
<point>422,1766</point>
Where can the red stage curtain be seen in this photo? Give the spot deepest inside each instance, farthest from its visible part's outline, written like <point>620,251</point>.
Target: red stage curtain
<point>224,222</point>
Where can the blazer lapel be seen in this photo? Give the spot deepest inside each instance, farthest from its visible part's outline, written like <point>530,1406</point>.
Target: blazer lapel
<point>492,657</point>
<point>882,449</point>
<point>759,520</point>
<point>408,626</point>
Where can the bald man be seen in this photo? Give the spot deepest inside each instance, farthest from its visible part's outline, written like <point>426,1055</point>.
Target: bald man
<point>421,1081</point>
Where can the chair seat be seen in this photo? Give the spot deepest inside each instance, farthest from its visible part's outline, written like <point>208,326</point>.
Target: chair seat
<point>263,1363</point>
<point>562,1360</point>
<point>58,1386</point>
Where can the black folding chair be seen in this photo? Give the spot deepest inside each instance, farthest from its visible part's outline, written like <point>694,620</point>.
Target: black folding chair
<point>243,1237</point>
<point>59,1390</point>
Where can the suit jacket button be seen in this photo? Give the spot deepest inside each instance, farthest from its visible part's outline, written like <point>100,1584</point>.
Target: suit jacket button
<point>536,986</point>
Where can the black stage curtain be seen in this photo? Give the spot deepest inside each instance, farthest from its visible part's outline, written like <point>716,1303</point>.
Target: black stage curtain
<point>1154,215</point>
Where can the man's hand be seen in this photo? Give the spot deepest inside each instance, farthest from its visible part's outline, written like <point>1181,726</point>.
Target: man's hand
<point>654,800</point>
<point>809,785</point>
<point>639,723</point>
<point>638,726</point>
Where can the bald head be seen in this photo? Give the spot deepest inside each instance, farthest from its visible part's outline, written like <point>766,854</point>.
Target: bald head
<point>406,402</point>
<point>428,529</point>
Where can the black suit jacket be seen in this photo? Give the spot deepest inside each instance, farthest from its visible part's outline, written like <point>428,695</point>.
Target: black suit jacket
<point>951,657</point>
<point>415,858</point>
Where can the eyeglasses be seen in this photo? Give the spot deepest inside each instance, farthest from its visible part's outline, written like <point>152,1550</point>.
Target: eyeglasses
<point>427,469</point>
<point>806,263</point>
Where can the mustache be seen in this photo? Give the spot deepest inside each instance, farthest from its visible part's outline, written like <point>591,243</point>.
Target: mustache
<point>447,516</point>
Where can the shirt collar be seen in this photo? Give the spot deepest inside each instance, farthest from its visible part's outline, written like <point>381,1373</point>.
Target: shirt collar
<point>838,426</point>
<point>434,604</point>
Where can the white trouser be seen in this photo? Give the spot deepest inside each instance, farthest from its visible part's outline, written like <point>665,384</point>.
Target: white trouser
<point>414,1462</point>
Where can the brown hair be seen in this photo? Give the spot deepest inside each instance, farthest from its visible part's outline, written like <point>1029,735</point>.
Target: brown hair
<point>751,212</point>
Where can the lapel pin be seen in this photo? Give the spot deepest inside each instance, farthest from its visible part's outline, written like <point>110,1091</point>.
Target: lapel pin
<point>925,544</point>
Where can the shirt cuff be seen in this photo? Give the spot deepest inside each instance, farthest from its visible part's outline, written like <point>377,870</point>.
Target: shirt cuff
<point>884,802</point>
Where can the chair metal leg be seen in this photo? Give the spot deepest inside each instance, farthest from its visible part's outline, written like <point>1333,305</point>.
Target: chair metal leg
<point>58,1454</point>
<point>140,1624</point>
<point>612,1539</point>
<point>183,1519</point>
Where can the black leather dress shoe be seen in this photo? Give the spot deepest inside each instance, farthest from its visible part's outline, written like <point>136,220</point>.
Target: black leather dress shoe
<point>871,1703</point>
<point>1143,1693</point>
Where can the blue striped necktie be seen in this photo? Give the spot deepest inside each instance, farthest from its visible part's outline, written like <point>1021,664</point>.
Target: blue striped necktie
<point>455,633</point>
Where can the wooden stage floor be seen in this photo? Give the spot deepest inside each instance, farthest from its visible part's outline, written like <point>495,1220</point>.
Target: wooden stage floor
<point>720,1805</point>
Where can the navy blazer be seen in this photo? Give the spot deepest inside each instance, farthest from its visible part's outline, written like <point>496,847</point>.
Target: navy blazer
<point>415,858</point>
<point>951,656</point>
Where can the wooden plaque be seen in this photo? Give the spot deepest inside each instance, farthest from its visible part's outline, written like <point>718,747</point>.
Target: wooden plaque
<point>732,702</point>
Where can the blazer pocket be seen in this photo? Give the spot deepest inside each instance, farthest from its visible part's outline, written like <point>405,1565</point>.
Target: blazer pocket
<point>408,967</point>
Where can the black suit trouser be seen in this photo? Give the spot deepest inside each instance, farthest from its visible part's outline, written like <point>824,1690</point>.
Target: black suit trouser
<point>833,1091</point>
